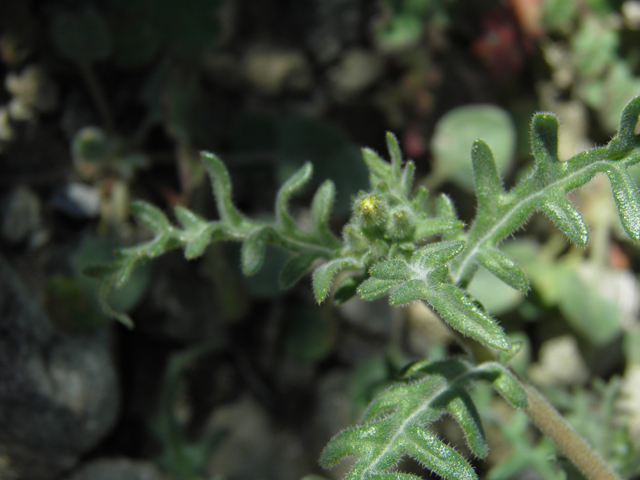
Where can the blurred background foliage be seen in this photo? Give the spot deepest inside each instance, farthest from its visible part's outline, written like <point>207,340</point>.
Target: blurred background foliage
<point>107,101</point>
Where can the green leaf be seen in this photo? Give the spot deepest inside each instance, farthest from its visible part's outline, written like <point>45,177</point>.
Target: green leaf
<point>460,406</point>
<point>396,422</point>
<point>626,138</point>
<point>408,174</point>
<point>436,254</point>
<point>101,271</point>
<point>467,317</point>
<point>409,292</point>
<point>253,249</point>
<point>547,187</point>
<point>485,172</point>
<point>504,267</point>
<point>504,382</point>
<point>151,217</point>
<point>566,218</point>
<point>295,269</point>
<point>321,207</point>
<point>188,219</point>
<point>445,211</point>
<point>544,142</point>
<point>445,208</point>
<point>420,199</point>
<point>394,476</point>
<point>373,288</point>
<point>625,193</point>
<point>396,156</point>
<point>396,270</point>
<point>323,276</point>
<point>379,169</point>
<point>198,233</point>
<point>295,183</point>
<point>438,457</point>
<point>221,185</point>
<point>430,226</point>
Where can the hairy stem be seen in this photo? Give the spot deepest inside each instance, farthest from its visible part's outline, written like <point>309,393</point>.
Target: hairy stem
<point>549,421</point>
<point>567,440</point>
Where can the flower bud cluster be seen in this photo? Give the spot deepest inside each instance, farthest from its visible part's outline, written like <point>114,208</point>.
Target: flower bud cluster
<point>378,218</point>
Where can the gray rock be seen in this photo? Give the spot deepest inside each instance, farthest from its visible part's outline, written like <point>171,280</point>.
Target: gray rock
<point>336,25</point>
<point>273,70</point>
<point>254,447</point>
<point>356,71</point>
<point>78,200</point>
<point>372,317</point>
<point>58,392</point>
<point>21,214</point>
<point>117,469</point>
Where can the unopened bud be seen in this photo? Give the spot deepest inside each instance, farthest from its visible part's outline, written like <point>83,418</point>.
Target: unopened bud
<point>401,224</point>
<point>370,212</point>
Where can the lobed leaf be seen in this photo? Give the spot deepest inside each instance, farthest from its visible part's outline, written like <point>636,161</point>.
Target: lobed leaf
<point>321,209</point>
<point>486,176</point>
<point>420,199</point>
<point>408,175</point>
<point>293,184</point>
<point>566,218</point>
<point>626,139</point>
<point>396,422</point>
<point>504,267</point>
<point>396,156</point>
<point>221,185</point>
<point>467,317</point>
<point>439,457</point>
<point>625,194</point>
<point>253,250</point>
<point>373,288</point>
<point>188,219</point>
<point>430,226</point>
<point>378,168</point>
<point>409,292</point>
<point>545,190</point>
<point>460,406</point>
<point>324,274</point>
<point>197,233</point>
<point>504,383</point>
<point>544,141</point>
<point>436,254</point>
<point>396,270</point>
<point>151,217</point>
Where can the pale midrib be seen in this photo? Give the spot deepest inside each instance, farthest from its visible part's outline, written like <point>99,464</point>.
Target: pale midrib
<point>407,421</point>
<point>507,218</point>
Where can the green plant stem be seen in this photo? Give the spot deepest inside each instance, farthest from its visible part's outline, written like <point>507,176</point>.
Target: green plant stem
<point>569,443</point>
<point>97,94</point>
<point>549,421</point>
